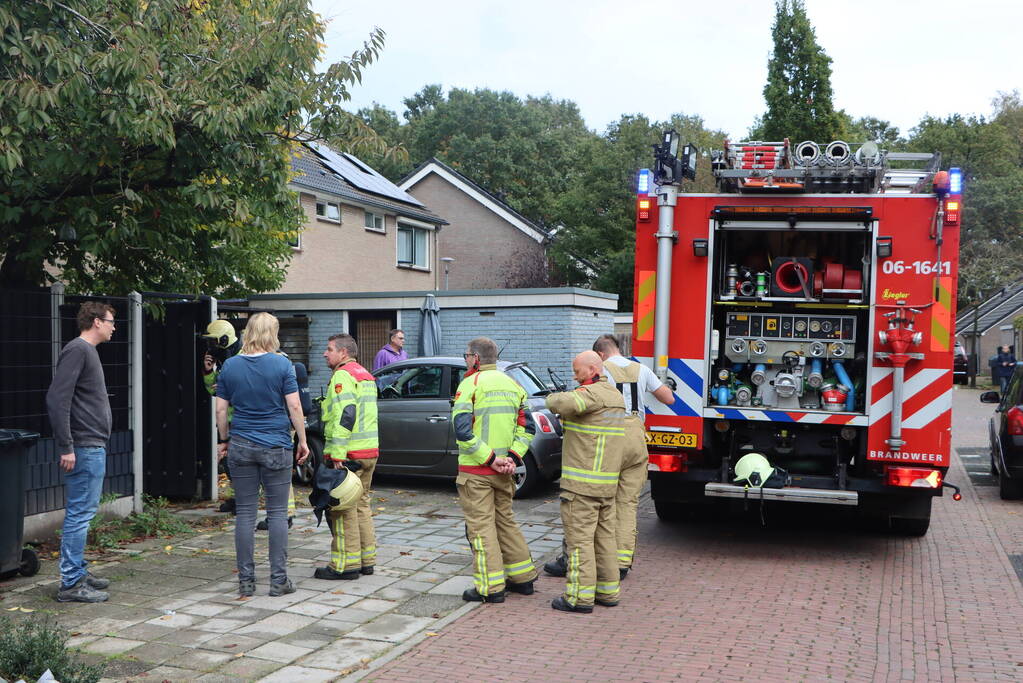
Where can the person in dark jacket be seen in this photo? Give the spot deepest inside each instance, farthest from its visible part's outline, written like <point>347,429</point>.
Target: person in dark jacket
<point>81,419</point>
<point>1002,367</point>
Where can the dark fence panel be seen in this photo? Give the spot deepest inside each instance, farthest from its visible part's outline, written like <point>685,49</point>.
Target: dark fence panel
<point>29,344</point>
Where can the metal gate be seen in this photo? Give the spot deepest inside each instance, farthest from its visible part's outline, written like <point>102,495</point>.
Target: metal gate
<point>177,433</point>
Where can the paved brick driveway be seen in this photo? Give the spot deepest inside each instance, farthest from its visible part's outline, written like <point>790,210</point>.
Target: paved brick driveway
<point>809,598</point>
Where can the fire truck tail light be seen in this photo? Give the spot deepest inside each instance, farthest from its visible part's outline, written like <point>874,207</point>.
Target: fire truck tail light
<point>1014,421</point>
<point>951,212</point>
<point>952,206</point>
<point>643,209</point>
<point>666,462</point>
<point>543,423</point>
<point>914,477</point>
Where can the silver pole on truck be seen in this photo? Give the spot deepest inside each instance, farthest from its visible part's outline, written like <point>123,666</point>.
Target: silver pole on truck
<point>667,198</point>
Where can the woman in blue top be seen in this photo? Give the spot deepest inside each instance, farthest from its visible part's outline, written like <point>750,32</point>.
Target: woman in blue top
<point>258,383</point>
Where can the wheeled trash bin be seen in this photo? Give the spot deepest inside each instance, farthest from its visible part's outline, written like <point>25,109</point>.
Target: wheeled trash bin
<point>14,558</point>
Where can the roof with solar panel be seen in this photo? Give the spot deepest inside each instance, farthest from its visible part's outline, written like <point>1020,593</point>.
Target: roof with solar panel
<point>321,169</point>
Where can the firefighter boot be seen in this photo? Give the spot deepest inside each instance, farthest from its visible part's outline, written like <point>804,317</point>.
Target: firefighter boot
<point>559,603</point>
<point>330,574</point>
<point>472,595</point>
<point>556,567</point>
<point>524,588</point>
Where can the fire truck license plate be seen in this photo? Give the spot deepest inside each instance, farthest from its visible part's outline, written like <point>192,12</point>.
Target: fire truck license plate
<point>671,439</point>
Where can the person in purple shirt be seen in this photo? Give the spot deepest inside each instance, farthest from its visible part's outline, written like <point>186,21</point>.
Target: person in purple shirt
<point>392,352</point>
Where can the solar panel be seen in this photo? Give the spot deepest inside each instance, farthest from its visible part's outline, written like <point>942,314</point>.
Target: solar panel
<point>360,175</point>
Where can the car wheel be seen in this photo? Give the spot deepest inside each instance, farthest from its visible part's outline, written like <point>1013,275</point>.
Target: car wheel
<point>1009,489</point>
<point>670,511</point>
<point>29,562</point>
<point>527,477</point>
<point>305,472</point>
<point>906,526</point>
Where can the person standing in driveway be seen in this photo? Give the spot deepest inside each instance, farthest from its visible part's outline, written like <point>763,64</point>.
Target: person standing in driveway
<point>260,385</point>
<point>350,434</point>
<point>392,352</point>
<point>81,419</point>
<point>493,428</point>
<point>591,458</point>
<point>1003,365</point>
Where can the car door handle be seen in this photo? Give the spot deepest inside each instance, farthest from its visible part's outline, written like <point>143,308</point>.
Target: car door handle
<point>436,418</point>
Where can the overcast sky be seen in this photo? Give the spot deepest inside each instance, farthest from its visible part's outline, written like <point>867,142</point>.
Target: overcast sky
<point>893,59</point>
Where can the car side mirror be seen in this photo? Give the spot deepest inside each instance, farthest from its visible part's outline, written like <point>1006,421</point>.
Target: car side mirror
<point>990,397</point>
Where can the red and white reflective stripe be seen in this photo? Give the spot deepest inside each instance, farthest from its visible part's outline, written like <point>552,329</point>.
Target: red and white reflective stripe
<point>769,415</point>
<point>923,397</point>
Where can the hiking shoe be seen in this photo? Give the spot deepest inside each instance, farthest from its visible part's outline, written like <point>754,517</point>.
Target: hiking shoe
<point>524,588</point>
<point>557,566</point>
<point>228,506</point>
<point>278,589</point>
<point>605,602</point>
<point>366,570</point>
<point>473,595</point>
<point>81,592</point>
<point>623,572</point>
<point>559,603</point>
<point>246,589</point>
<point>265,524</point>
<point>331,574</point>
<point>96,582</point>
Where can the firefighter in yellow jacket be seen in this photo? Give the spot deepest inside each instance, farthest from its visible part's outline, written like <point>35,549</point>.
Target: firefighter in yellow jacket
<point>350,433</point>
<point>591,456</point>
<point>494,429</point>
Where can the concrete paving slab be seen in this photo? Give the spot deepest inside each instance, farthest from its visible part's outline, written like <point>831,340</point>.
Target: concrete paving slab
<point>393,628</point>
<point>336,599</point>
<point>348,614</point>
<point>201,660</point>
<point>369,584</point>
<point>80,640</point>
<point>278,624</point>
<point>248,668</point>
<point>232,643</point>
<point>105,625</point>
<point>278,651</point>
<point>174,620</point>
<point>300,674</point>
<point>432,606</point>
<point>264,601</point>
<point>158,653</point>
<point>311,609</point>
<point>204,609</point>
<point>374,605</point>
<point>452,586</point>
<point>189,638</point>
<point>346,653</point>
<point>172,673</point>
<point>218,625</point>
<point>112,645</point>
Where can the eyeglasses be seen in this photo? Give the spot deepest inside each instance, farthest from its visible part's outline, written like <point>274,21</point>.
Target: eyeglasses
<point>107,320</point>
<point>466,355</point>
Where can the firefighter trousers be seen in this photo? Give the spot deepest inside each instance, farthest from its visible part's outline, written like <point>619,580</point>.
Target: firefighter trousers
<point>630,485</point>
<point>499,551</point>
<point>591,562</point>
<point>353,540</point>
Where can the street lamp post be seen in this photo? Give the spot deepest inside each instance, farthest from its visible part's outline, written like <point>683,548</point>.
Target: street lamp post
<point>447,260</point>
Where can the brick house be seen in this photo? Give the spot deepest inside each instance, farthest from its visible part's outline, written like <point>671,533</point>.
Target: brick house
<point>491,244</point>
<point>362,232</point>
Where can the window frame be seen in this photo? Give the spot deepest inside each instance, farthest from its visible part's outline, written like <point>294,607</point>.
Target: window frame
<point>383,222</point>
<point>412,265</point>
<point>325,217</point>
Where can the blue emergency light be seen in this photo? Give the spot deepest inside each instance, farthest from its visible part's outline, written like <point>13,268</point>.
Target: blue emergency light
<point>955,181</point>
<point>643,181</point>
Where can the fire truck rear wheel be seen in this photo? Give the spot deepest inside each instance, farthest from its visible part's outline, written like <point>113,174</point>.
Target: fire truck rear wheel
<point>670,511</point>
<point>906,526</point>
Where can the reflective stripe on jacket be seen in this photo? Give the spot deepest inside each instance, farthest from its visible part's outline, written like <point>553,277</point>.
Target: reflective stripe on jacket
<point>491,419</point>
<point>350,414</point>
<point>591,454</point>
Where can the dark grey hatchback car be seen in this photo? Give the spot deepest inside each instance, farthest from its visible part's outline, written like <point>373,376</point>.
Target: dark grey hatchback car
<point>416,436</point>
<point>1006,431</point>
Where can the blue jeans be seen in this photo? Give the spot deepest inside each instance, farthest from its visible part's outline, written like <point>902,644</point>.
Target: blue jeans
<point>83,486</point>
<point>1003,384</point>
<point>253,464</point>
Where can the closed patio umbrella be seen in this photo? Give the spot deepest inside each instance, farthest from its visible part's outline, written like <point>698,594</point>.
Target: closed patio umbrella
<point>429,339</point>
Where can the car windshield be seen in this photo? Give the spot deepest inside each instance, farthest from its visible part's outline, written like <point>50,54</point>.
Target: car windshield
<point>527,380</point>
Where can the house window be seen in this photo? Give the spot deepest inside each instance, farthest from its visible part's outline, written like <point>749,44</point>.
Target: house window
<point>374,221</point>
<point>294,239</point>
<point>328,211</point>
<point>413,247</point>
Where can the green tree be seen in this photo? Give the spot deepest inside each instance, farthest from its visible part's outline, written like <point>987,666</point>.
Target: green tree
<point>798,89</point>
<point>148,145</point>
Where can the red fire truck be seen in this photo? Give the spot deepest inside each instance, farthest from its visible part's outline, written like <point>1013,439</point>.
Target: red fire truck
<point>804,312</point>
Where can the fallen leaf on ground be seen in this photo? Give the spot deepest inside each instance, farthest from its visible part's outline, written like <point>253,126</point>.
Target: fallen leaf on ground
<point>168,548</point>
<point>381,509</point>
<point>432,633</point>
<point>338,592</point>
<point>404,552</point>
<point>232,645</point>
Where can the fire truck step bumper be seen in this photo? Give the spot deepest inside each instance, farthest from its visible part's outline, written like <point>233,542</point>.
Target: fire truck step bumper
<point>790,494</point>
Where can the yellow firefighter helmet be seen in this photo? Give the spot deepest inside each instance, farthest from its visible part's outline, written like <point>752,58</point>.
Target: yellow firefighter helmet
<point>348,492</point>
<point>222,333</point>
